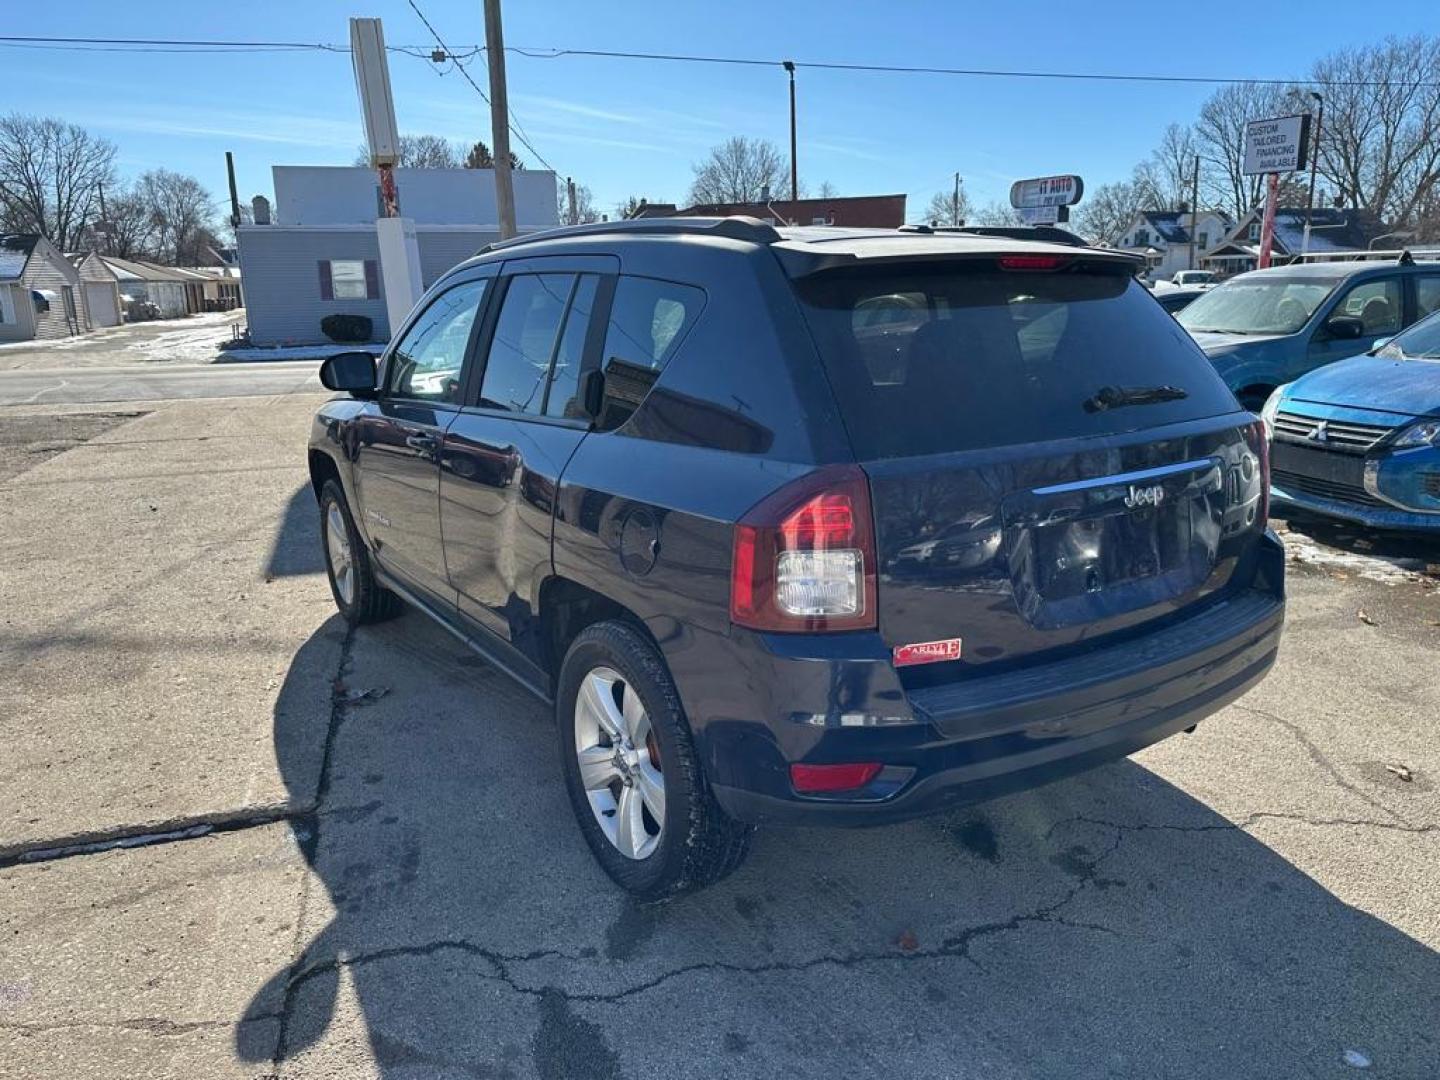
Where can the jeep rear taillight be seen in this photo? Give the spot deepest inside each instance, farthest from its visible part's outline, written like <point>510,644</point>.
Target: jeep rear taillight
<point>1258,439</point>
<point>804,556</point>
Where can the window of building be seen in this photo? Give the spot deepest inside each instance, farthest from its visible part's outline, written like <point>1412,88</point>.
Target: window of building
<point>1142,236</point>
<point>349,279</point>
<point>1254,231</point>
<point>427,362</point>
<point>1202,240</point>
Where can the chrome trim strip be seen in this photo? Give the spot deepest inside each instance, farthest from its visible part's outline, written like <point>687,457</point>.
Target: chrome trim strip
<point>1127,477</point>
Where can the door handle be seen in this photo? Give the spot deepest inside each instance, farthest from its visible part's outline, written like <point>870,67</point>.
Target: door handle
<point>424,444</point>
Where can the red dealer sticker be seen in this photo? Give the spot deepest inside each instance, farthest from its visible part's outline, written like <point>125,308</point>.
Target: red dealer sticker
<point>927,652</point>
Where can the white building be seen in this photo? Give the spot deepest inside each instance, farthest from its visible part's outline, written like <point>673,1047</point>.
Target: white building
<point>319,255</point>
<point>1163,237</point>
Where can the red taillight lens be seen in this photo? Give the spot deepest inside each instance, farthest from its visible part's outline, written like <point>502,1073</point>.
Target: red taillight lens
<point>804,557</point>
<point>1032,262</point>
<point>813,779</point>
<point>1258,439</point>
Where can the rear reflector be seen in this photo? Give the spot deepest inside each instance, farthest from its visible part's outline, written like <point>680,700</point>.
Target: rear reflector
<point>1032,262</point>
<point>812,779</point>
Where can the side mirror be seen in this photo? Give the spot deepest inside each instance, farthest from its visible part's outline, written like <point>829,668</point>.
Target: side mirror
<point>1345,327</point>
<point>352,372</point>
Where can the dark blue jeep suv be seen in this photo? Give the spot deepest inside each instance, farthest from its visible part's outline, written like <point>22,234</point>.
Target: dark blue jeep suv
<point>808,525</point>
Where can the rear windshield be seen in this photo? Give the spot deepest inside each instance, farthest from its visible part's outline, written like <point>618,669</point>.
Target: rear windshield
<point>926,361</point>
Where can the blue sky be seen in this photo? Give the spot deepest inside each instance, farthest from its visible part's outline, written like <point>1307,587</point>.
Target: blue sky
<point>627,126</point>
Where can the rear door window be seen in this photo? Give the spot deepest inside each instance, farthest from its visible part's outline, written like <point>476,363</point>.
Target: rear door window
<point>984,358</point>
<point>524,341</point>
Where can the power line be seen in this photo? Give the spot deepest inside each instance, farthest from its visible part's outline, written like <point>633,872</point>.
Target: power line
<point>510,121</point>
<point>197,45</point>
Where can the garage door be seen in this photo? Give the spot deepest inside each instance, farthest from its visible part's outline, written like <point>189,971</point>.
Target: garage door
<point>103,309</point>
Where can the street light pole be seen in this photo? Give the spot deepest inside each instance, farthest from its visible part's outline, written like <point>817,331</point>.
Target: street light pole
<point>794,166</point>
<point>1314,169</point>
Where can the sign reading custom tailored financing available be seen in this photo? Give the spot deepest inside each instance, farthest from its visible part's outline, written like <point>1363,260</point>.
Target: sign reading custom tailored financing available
<point>1046,191</point>
<point>1279,144</point>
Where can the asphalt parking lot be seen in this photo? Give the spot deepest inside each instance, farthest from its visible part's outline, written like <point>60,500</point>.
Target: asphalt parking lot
<point>240,841</point>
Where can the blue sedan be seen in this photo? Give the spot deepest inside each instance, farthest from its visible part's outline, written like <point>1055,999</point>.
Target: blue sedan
<point>1359,440</point>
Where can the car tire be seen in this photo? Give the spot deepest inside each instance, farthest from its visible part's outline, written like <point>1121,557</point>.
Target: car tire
<point>692,843</point>
<point>360,598</point>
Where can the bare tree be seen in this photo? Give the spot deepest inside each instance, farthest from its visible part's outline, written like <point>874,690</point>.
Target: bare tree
<point>1106,212</point>
<point>585,211</point>
<point>50,177</point>
<point>1381,143</point>
<point>183,215</point>
<point>423,152</point>
<point>131,227</point>
<point>1166,174</point>
<point>827,191</point>
<point>949,207</point>
<point>740,170</point>
<point>995,212</point>
<point>1220,139</point>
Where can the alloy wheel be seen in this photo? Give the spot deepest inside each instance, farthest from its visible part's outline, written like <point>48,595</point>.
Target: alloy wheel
<point>619,761</point>
<point>337,544</point>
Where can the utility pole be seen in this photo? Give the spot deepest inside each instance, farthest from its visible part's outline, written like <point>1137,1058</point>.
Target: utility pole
<point>1194,215</point>
<point>499,119</point>
<point>105,220</point>
<point>234,197</point>
<point>794,166</point>
<point>955,203</point>
<point>574,218</point>
<point>1314,169</point>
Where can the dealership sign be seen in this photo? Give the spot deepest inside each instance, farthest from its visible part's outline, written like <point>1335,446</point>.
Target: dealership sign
<point>1280,144</point>
<point>1046,191</point>
<point>1043,215</point>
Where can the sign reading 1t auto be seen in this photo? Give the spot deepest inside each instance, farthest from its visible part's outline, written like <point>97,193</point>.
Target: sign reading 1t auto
<point>1046,191</point>
<point>1280,144</point>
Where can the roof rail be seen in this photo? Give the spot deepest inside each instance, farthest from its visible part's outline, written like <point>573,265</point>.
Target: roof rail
<point>1048,234</point>
<point>1415,254</point>
<point>735,227</point>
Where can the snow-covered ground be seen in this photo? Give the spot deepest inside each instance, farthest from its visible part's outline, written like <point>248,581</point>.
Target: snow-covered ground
<point>196,339</point>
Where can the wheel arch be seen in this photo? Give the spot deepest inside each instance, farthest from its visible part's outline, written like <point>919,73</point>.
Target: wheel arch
<point>567,607</point>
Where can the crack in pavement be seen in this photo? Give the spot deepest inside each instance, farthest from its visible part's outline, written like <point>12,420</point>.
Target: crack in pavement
<point>1247,821</point>
<point>1318,757</point>
<point>154,1025</point>
<point>132,836</point>
<point>956,946</point>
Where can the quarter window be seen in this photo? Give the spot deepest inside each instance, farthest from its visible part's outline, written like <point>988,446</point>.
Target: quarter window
<point>648,319</point>
<point>428,361</point>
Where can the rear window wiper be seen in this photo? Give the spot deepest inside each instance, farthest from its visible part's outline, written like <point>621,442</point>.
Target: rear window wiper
<point>1114,397</point>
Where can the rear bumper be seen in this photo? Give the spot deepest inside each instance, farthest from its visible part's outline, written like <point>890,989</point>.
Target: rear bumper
<point>976,739</point>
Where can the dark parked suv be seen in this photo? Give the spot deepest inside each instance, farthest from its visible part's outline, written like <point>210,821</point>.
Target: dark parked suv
<point>809,525</point>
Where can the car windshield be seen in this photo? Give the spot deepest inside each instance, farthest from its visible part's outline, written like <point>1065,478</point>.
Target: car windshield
<point>1420,342</point>
<point>1259,305</point>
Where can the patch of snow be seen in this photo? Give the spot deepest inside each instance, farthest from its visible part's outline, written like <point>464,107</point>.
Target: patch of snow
<point>296,352</point>
<point>1388,570</point>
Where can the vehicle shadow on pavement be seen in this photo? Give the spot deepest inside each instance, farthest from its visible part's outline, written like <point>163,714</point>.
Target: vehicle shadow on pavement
<point>1107,925</point>
<point>295,549</point>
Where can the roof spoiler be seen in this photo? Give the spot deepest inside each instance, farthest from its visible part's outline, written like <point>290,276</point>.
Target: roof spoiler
<point>1047,234</point>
